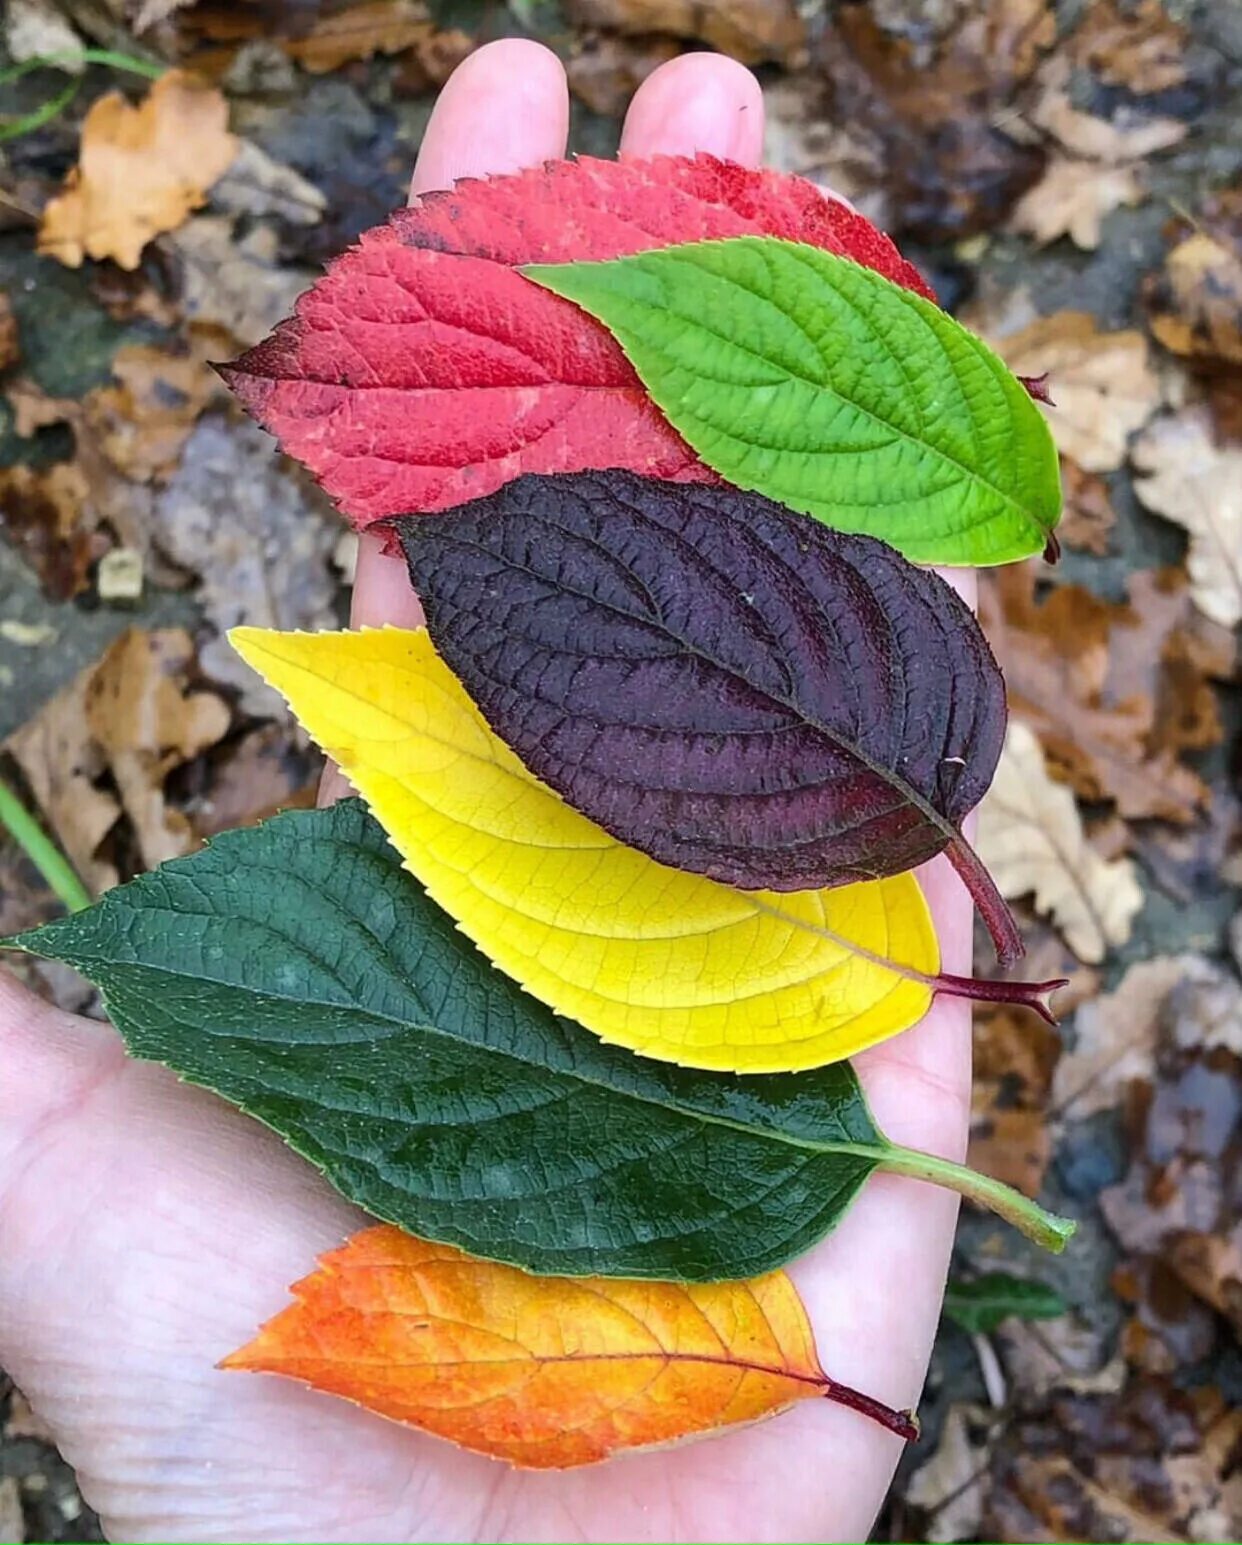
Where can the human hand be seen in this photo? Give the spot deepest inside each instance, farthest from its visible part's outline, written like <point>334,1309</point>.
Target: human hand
<point>147,1228</point>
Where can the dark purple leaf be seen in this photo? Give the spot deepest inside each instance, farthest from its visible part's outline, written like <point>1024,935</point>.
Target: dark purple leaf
<point>729,687</point>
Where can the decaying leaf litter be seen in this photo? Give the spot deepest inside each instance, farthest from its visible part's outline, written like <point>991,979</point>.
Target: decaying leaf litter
<point>1081,213</point>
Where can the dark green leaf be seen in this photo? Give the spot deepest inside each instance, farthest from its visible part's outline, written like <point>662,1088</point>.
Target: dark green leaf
<point>980,1305</point>
<point>300,972</point>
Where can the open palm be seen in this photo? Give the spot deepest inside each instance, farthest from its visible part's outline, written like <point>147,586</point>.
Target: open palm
<point>146,1229</point>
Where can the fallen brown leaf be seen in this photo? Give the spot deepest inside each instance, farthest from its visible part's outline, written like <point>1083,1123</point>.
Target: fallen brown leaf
<point>62,765</point>
<point>750,30</point>
<point>1117,1035</point>
<point>1014,1062</point>
<point>1067,1353</point>
<point>1170,1328</point>
<point>1177,1200</point>
<point>1096,166</point>
<point>1116,692</point>
<point>126,435</point>
<point>1032,839</point>
<point>1013,1146</point>
<point>1140,46</point>
<point>1195,303</point>
<point>1102,383</point>
<point>950,1485</point>
<point>142,422</point>
<point>140,171</point>
<point>1129,136</point>
<point>44,515</point>
<point>1189,478</point>
<point>929,111</point>
<point>130,718</point>
<point>360,32</point>
<point>10,345</point>
<point>1072,198</point>
<point>146,720</point>
<point>266,771</point>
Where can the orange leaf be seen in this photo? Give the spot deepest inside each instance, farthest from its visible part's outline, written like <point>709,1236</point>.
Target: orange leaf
<point>546,1372</point>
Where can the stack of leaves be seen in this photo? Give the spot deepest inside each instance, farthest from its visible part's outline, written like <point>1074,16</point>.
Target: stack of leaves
<point>661,444</point>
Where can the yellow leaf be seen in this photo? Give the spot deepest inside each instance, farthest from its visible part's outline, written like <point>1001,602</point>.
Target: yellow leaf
<point>546,1372</point>
<point>669,964</point>
<point>140,171</point>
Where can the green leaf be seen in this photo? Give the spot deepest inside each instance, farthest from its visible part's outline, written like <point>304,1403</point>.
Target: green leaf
<point>300,972</point>
<point>818,383</point>
<point>980,1305</point>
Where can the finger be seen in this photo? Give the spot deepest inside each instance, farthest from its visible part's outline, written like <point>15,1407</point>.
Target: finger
<point>382,591</point>
<point>697,102</point>
<point>503,108</point>
<point>49,1061</point>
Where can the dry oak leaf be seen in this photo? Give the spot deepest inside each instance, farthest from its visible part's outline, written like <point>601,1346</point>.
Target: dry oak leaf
<point>1103,384</point>
<point>1139,46</point>
<point>1031,837</point>
<point>10,344</point>
<point>132,714</point>
<point>1072,198</point>
<point>1187,477</point>
<point>140,171</point>
<point>1114,691</point>
<point>147,720</point>
<point>544,1372</point>
<point>1096,166</point>
<point>1117,1035</point>
<point>141,423</point>
<point>753,31</point>
<point>360,32</point>
<point>1196,303</point>
<point>44,513</point>
<point>1132,137</point>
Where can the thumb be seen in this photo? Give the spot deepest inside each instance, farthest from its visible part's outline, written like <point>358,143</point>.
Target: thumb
<point>50,1064</point>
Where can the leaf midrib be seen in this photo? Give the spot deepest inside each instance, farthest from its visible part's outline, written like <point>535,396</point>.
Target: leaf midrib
<point>875,1152</point>
<point>821,1383</point>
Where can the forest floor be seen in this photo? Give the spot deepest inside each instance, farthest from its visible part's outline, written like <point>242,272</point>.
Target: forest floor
<point>1069,176</point>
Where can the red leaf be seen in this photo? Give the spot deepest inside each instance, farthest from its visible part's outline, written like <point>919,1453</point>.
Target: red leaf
<point>422,370</point>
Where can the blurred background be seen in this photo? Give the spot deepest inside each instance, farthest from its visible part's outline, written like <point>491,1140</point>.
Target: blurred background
<point>1069,175</point>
